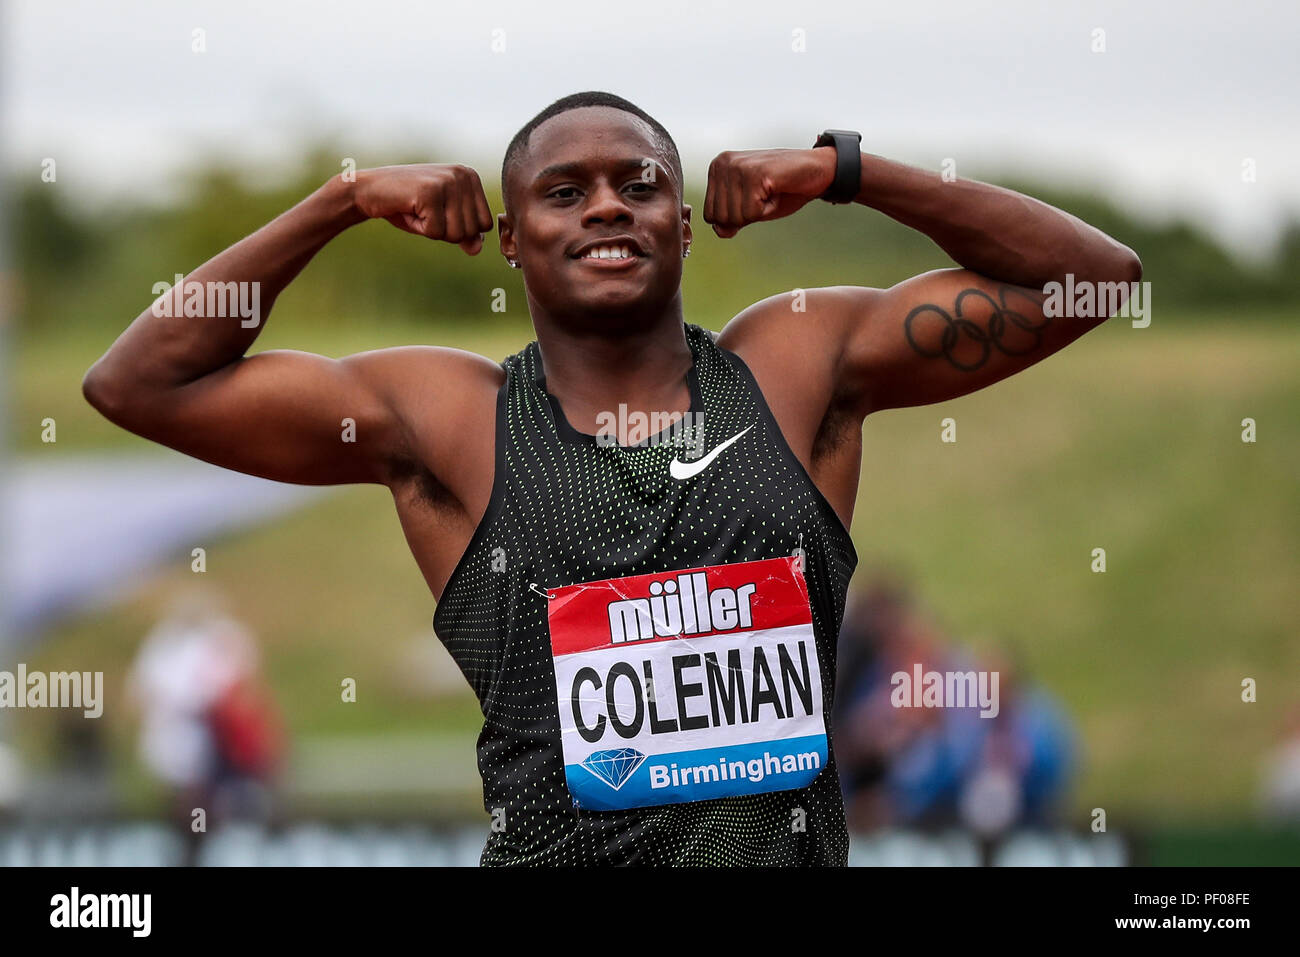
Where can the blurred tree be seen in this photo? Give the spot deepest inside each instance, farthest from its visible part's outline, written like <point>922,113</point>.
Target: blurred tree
<point>99,269</point>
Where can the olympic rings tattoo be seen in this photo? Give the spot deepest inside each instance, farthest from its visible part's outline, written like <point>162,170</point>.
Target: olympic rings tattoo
<point>957,326</point>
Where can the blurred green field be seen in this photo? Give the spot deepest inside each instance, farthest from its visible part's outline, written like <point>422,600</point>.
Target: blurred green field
<point>1129,440</point>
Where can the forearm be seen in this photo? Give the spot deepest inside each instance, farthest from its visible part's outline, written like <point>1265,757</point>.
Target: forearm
<point>999,233</point>
<point>165,348</point>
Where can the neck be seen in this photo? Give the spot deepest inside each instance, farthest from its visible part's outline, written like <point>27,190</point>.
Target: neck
<point>591,371</point>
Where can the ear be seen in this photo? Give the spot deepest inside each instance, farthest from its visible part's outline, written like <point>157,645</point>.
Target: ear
<point>686,223</point>
<point>506,235</point>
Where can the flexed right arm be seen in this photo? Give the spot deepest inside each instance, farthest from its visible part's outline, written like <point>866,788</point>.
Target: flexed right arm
<point>185,381</point>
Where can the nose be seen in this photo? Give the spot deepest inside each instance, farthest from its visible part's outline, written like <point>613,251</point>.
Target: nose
<point>605,204</point>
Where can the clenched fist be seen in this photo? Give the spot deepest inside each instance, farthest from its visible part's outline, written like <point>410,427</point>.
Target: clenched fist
<point>751,186</point>
<point>435,200</point>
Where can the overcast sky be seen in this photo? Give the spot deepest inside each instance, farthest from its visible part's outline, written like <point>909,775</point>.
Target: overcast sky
<point>1163,119</point>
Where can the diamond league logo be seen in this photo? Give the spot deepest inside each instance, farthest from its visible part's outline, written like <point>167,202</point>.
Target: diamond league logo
<point>614,766</point>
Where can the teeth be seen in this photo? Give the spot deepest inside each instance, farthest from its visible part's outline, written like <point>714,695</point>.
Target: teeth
<point>609,252</point>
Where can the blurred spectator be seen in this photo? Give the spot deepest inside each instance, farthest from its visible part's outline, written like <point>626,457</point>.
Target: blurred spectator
<point>209,731</point>
<point>1280,793</point>
<point>934,767</point>
<point>1024,758</point>
<point>249,741</point>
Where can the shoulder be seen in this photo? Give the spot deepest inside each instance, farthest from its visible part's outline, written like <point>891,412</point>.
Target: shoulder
<point>819,317</point>
<point>405,371</point>
<point>797,344</point>
<point>436,393</point>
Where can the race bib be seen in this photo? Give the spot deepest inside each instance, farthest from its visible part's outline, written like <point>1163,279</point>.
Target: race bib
<point>687,685</point>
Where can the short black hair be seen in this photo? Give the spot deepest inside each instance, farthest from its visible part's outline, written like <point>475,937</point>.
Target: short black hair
<point>589,98</point>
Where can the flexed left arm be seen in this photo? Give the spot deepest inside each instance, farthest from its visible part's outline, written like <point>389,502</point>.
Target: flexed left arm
<point>947,332</point>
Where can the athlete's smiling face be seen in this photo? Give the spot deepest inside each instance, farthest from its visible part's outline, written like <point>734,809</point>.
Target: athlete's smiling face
<point>596,219</point>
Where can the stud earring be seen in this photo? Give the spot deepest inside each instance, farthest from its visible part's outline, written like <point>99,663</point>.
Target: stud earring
<point>686,252</point>
<point>513,263</point>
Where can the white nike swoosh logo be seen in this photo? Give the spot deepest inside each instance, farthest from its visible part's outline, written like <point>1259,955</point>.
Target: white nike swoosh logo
<point>683,470</point>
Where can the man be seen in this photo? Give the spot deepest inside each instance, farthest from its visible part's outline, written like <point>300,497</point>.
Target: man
<point>648,621</point>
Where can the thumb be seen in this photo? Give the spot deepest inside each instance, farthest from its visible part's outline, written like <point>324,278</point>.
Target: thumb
<point>472,246</point>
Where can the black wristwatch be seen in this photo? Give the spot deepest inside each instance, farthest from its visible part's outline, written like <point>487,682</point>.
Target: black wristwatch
<point>848,164</point>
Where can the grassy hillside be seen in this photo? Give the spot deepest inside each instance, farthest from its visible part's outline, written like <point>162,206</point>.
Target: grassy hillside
<point>1129,441</point>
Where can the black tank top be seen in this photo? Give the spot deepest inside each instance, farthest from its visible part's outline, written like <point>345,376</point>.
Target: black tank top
<point>567,508</point>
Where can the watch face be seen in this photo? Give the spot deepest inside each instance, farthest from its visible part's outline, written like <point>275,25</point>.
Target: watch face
<point>827,138</point>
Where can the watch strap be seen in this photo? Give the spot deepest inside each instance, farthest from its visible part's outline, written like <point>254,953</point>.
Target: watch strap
<point>848,164</point>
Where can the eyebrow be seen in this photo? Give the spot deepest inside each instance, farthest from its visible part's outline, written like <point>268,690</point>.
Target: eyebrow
<point>568,169</point>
